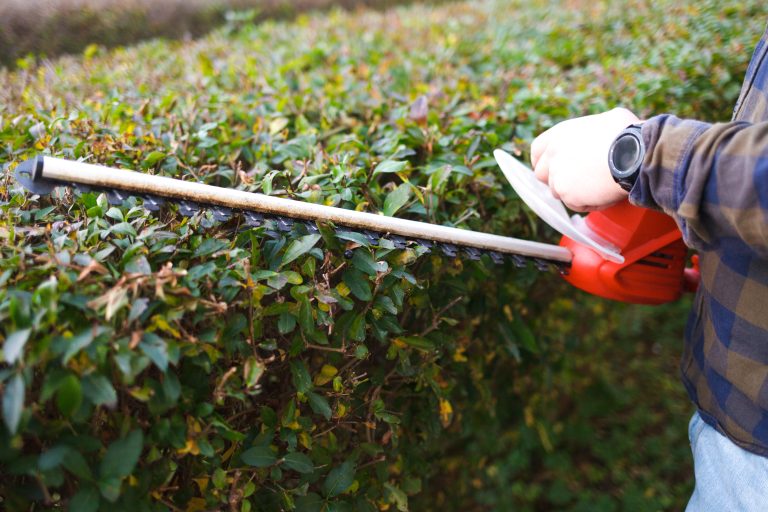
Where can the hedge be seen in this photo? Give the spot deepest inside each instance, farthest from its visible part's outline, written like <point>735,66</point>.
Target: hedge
<point>159,362</point>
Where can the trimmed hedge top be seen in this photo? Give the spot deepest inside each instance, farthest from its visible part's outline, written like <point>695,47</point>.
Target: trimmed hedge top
<point>163,362</point>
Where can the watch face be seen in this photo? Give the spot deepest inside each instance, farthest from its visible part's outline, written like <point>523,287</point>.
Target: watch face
<point>626,155</point>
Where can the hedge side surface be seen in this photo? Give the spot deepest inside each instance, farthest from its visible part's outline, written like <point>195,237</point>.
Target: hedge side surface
<point>157,362</point>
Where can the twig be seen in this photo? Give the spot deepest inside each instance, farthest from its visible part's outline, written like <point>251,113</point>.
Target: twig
<point>326,349</point>
<point>436,318</point>
<point>372,462</point>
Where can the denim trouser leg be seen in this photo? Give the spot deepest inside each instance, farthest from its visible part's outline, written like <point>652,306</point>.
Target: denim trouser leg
<point>727,477</point>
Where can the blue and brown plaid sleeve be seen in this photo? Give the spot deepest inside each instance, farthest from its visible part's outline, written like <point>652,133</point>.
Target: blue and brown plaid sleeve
<point>713,179</point>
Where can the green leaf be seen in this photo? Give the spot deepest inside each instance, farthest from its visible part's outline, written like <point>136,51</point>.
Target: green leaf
<point>53,458</point>
<point>319,404</point>
<point>388,166</point>
<point>121,457</point>
<point>311,503</point>
<point>110,488</point>
<point>210,246</point>
<point>153,157</point>
<point>298,462</point>
<point>123,228</point>
<point>86,499</point>
<point>98,389</point>
<point>219,478</point>
<point>397,199</point>
<point>339,479</point>
<point>525,336</point>
<point>361,351</point>
<point>13,402</point>
<point>354,236</point>
<point>385,303</point>
<point>115,213</point>
<point>137,308</point>
<point>286,323</point>
<point>259,456</point>
<point>358,284</point>
<point>77,465</point>
<point>306,320</point>
<point>395,495</point>
<point>356,328</point>
<point>302,380</point>
<point>69,395</point>
<point>155,348</point>
<point>298,247</point>
<point>77,343</point>
<point>138,265</point>
<point>363,261</point>
<point>14,345</point>
<point>419,342</point>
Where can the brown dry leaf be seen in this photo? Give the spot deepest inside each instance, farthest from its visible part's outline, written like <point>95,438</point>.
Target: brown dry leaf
<point>419,110</point>
<point>135,339</point>
<point>93,266</point>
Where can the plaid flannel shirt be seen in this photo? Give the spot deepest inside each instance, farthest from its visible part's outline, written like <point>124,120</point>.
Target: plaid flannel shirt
<point>713,179</point>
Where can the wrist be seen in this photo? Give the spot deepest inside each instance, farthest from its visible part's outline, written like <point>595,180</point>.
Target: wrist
<point>625,156</point>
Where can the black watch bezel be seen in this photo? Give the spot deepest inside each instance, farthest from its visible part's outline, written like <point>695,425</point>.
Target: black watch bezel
<point>626,177</point>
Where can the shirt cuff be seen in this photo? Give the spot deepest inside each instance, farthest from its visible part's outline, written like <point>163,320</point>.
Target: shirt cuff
<point>668,148</point>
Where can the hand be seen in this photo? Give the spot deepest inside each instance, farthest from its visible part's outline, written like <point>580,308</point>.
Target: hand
<point>572,157</point>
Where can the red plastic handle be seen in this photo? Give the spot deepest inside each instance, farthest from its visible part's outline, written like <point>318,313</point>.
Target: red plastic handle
<point>655,255</point>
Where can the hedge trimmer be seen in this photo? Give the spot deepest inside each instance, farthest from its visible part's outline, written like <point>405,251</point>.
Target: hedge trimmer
<point>623,253</point>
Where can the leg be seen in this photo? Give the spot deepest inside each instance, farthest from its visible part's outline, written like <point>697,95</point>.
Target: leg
<point>727,476</point>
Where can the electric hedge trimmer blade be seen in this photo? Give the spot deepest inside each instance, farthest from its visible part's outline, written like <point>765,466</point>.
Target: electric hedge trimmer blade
<point>40,175</point>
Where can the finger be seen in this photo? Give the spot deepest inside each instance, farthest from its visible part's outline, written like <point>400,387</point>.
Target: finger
<point>541,169</point>
<point>539,145</point>
<point>554,187</point>
<point>580,208</point>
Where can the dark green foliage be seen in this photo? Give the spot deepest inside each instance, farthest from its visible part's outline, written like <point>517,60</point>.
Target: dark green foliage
<point>162,362</point>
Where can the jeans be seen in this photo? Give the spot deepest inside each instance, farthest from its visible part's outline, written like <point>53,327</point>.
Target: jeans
<point>727,477</point>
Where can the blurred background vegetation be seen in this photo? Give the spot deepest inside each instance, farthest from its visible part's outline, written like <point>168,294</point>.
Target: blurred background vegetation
<point>54,27</point>
<point>246,384</point>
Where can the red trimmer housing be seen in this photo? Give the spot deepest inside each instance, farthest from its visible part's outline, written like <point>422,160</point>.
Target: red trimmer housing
<point>653,271</point>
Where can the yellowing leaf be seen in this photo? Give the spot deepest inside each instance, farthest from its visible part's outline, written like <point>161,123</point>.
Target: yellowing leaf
<point>327,372</point>
<point>189,447</point>
<point>305,440</point>
<point>227,454</point>
<point>446,413</point>
<point>277,125</point>
<point>196,505</point>
<point>342,289</point>
<point>459,356</point>
<point>528,415</point>
<point>159,322</point>
<point>202,483</point>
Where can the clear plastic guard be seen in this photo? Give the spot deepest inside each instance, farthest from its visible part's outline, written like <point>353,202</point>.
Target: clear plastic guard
<point>539,198</point>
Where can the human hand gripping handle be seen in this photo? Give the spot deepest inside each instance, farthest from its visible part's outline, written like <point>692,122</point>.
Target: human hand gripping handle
<point>572,158</point>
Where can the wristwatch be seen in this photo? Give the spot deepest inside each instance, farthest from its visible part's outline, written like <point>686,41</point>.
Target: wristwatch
<point>625,157</point>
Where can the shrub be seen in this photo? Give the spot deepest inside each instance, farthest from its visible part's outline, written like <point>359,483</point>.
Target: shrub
<point>160,362</point>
